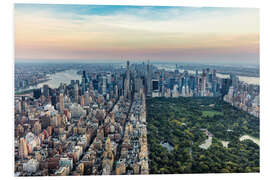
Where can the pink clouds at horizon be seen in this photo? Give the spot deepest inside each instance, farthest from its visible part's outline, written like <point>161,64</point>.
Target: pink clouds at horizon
<point>42,35</point>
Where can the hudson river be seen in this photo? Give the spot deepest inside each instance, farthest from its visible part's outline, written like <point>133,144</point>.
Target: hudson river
<point>246,79</point>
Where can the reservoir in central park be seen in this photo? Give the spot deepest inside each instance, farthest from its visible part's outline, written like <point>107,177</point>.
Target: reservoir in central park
<point>247,137</point>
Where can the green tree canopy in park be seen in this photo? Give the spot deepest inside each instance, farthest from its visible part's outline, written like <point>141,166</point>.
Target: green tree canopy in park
<point>181,122</point>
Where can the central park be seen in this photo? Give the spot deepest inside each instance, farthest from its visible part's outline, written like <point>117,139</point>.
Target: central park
<point>201,135</point>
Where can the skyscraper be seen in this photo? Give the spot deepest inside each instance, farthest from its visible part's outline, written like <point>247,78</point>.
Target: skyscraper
<point>95,84</point>
<point>214,74</point>
<point>84,82</point>
<point>149,92</point>
<point>23,152</point>
<point>61,102</point>
<point>127,82</point>
<point>84,74</point>
<point>109,78</point>
<point>76,93</point>
<point>204,82</point>
<point>138,84</point>
<point>46,91</point>
<point>104,85</point>
<point>37,93</point>
<point>155,88</point>
<point>155,85</point>
<point>37,128</point>
<point>53,101</point>
<point>116,91</point>
<point>82,101</point>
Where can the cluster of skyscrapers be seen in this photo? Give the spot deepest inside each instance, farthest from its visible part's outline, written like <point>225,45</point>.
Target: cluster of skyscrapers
<point>98,125</point>
<point>93,127</point>
<point>162,83</point>
<point>175,84</point>
<point>244,96</point>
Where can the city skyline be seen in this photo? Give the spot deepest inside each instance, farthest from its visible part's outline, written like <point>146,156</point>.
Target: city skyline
<point>159,33</point>
<point>100,119</point>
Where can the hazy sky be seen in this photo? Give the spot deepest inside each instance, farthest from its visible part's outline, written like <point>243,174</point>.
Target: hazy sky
<point>80,32</point>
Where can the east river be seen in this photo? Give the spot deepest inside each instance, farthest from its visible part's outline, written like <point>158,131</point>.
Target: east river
<point>56,79</point>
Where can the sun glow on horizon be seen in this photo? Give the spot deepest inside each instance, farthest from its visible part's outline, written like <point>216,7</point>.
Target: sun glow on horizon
<point>157,33</point>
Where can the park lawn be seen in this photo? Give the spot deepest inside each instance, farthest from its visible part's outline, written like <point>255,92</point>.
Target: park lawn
<point>211,113</point>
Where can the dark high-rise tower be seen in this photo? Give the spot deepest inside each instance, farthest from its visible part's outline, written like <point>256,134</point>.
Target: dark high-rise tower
<point>53,101</point>
<point>127,82</point>
<point>46,90</point>
<point>84,81</point>
<point>155,85</point>
<point>37,93</point>
<point>84,74</point>
<point>127,65</point>
<point>76,93</point>
<point>149,92</point>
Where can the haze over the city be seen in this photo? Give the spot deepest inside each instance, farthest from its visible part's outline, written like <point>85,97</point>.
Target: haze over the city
<point>104,33</point>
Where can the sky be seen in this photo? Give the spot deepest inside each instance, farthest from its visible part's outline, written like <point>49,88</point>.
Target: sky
<point>88,33</point>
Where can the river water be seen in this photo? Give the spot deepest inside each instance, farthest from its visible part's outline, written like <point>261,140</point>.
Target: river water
<point>56,79</point>
<point>246,79</point>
